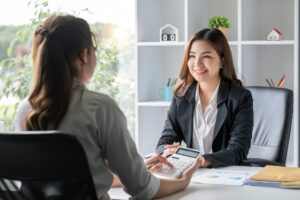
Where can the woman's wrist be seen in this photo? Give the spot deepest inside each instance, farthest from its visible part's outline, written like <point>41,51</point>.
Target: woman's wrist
<point>116,181</point>
<point>204,163</point>
<point>185,182</point>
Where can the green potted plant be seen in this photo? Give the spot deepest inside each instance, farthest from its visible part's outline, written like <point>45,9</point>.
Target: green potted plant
<point>219,22</point>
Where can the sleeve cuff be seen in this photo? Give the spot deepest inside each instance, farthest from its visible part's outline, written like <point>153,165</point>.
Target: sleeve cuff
<point>149,191</point>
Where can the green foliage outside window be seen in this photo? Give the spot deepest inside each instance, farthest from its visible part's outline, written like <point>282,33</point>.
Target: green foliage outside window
<point>16,70</point>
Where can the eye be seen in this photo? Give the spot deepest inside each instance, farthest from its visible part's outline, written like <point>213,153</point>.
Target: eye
<point>206,56</point>
<point>191,56</point>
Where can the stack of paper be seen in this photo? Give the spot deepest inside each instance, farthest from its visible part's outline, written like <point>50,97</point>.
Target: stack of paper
<point>275,176</point>
<point>222,177</point>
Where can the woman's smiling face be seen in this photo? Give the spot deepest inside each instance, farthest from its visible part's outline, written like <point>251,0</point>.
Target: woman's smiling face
<point>204,63</point>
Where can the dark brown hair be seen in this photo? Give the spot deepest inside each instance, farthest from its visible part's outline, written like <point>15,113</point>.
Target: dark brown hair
<point>219,42</point>
<point>57,42</point>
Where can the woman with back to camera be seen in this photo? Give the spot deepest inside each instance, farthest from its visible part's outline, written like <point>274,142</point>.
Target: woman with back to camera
<point>211,111</point>
<point>64,61</point>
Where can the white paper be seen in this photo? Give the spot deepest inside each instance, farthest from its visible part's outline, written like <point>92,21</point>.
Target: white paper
<point>222,177</point>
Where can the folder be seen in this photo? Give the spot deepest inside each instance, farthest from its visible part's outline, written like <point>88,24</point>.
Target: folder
<point>277,173</point>
<point>275,176</point>
<point>292,184</point>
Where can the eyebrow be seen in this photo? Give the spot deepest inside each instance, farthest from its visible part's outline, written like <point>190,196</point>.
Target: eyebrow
<point>205,52</point>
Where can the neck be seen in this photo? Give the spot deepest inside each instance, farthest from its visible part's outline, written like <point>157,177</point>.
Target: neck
<point>79,81</point>
<point>207,88</point>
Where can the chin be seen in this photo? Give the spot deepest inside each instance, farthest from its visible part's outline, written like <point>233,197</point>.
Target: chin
<point>200,79</point>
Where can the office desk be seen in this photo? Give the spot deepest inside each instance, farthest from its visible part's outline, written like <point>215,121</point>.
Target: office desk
<point>197,191</point>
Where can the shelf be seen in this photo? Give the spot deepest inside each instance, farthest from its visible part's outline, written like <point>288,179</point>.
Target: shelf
<point>245,42</point>
<point>199,12</point>
<point>161,43</point>
<point>143,44</point>
<point>254,57</point>
<point>156,64</point>
<point>154,14</point>
<point>233,42</point>
<point>155,103</point>
<point>253,61</point>
<point>266,42</point>
<point>150,123</point>
<point>268,14</point>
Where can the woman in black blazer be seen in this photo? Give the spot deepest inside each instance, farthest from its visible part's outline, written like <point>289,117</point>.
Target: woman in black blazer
<point>211,111</point>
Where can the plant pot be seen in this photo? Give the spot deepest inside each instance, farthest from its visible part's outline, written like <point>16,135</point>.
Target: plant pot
<point>224,31</point>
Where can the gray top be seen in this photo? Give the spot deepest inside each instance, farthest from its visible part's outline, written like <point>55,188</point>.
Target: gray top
<point>99,124</point>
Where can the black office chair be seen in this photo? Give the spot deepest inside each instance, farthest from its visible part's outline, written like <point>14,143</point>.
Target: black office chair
<point>273,112</point>
<point>49,165</point>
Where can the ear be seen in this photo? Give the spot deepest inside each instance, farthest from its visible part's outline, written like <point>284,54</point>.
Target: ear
<point>83,56</point>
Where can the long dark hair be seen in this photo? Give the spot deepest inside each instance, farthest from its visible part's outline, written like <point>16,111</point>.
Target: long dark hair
<point>57,42</point>
<point>219,42</point>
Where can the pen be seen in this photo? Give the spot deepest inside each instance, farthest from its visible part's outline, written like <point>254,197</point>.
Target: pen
<point>269,83</point>
<point>273,85</point>
<point>168,83</point>
<point>174,82</point>
<point>281,80</point>
<point>282,83</point>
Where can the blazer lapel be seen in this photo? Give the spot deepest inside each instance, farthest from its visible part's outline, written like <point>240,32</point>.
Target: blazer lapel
<point>222,107</point>
<point>188,108</point>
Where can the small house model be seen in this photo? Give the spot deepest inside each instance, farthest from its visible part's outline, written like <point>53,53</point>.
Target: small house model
<point>168,33</point>
<point>274,34</point>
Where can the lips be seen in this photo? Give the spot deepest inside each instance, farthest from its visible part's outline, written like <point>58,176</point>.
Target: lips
<point>200,72</point>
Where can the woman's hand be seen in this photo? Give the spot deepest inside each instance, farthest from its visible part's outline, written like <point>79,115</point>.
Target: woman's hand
<point>169,186</point>
<point>170,148</point>
<point>156,162</point>
<point>188,173</point>
<point>116,181</point>
<point>204,163</point>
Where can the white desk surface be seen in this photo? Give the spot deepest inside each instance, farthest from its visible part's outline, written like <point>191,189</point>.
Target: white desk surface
<point>197,191</point>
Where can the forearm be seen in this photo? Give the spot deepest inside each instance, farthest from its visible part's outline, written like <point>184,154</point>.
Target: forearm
<point>223,158</point>
<point>168,139</point>
<point>169,186</point>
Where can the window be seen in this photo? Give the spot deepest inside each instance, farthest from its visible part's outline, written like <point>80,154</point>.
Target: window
<point>114,74</point>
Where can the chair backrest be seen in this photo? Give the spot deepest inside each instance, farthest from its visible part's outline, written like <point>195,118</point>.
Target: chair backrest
<point>273,111</point>
<point>49,165</point>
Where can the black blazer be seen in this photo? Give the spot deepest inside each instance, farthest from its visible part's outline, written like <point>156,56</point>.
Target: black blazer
<point>233,127</point>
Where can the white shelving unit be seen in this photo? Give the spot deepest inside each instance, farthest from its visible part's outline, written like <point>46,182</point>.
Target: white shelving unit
<point>255,58</point>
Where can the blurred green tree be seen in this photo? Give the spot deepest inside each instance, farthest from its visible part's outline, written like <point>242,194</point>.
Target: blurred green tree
<point>16,66</point>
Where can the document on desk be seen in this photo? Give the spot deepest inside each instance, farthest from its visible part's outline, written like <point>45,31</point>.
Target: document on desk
<point>222,177</point>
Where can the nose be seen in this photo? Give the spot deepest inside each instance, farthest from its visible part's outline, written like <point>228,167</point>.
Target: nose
<point>199,62</point>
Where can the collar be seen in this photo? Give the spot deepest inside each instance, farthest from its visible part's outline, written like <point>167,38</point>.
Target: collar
<point>76,83</point>
<point>222,93</point>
